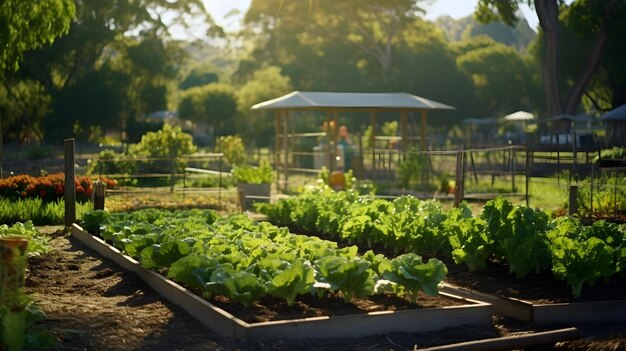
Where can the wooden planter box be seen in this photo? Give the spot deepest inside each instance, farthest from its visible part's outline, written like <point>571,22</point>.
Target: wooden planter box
<point>596,311</point>
<point>251,193</point>
<point>350,326</point>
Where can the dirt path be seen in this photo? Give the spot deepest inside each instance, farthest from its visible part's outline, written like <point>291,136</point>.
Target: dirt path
<point>99,306</point>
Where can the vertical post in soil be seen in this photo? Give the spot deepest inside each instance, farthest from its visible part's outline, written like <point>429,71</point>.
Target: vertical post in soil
<point>513,166</point>
<point>573,202</point>
<point>527,175</point>
<point>1,143</point>
<point>286,148</point>
<point>219,180</point>
<point>373,141</point>
<point>99,191</point>
<point>70,189</point>
<point>458,191</point>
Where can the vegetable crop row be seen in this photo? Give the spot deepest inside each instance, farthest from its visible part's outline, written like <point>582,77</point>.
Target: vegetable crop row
<point>527,239</point>
<point>243,259</point>
<point>37,242</point>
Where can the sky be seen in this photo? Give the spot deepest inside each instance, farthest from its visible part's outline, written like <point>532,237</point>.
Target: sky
<point>454,8</point>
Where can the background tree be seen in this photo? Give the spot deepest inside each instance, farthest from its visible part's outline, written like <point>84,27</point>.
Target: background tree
<point>128,42</point>
<point>199,77</point>
<point>27,25</point>
<point>607,88</point>
<point>266,83</point>
<point>602,17</point>
<point>213,105</point>
<point>23,107</point>
<point>502,78</point>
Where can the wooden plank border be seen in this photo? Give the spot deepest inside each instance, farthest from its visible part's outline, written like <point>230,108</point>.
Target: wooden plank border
<point>350,326</point>
<point>596,311</point>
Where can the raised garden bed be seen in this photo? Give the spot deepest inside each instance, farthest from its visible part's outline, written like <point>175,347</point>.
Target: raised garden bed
<point>544,313</point>
<point>538,298</point>
<point>467,311</point>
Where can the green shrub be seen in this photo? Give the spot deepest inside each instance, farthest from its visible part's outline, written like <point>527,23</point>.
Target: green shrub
<point>615,152</point>
<point>253,175</point>
<point>111,162</point>
<point>164,146</point>
<point>233,149</point>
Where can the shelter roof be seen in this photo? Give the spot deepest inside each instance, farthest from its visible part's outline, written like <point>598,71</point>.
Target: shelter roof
<point>616,114</point>
<point>311,100</point>
<point>577,118</point>
<point>519,116</point>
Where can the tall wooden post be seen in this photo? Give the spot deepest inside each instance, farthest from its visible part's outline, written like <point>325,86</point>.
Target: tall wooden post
<point>333,166</point>
<point>460,177</point>
<point>373,141</point>
<point>403,131</point>
<point>513,169</point>
<point>573,200</point>
<point>329,138</point>
<point>70,189</point>
<point>528,174</point>
<point>286,149</point>
<point>423,144</point>
<point>277,127</point>
<point>1,151</point>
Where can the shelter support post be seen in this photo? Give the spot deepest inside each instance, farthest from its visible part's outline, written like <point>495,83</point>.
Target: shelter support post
<point>403,130</point>
<point>423,129</point>
<point>373,140</point>
<point>329,138</point>
<point>286,149</point>
<point>335,140</point>
<point>277,128</point>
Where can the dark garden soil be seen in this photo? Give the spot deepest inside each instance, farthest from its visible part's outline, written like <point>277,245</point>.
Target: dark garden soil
<point>537,288</point>
<point>93,304</point>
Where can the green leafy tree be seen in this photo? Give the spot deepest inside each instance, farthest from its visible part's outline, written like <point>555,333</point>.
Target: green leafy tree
<point>95,100</point>
<point>28,25</point>
<point>168,143</point>
<point>23,106</point>
<point>198,78</point>
<point>213,105</point>
<point>601,18</point>
<point>502,78</point>
<point>266,83</point>
<point>389,48</point>
<point>127,39</point>
<point>607,88</point>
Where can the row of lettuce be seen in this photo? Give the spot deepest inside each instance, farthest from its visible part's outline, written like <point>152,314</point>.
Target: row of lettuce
<point>246,260</point>
<point>37,241</point>
<point>526,239</point>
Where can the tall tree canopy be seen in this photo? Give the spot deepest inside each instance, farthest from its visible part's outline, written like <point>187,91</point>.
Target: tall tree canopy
<point>386,46</point>
<point>601,18</point>
<point>125,45</point>
<point>27,25</point>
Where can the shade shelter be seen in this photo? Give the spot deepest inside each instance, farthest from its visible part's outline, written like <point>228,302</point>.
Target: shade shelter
<point>564,123</point>
<point>479,130</point>
<point>519,116</point>
<point>332,103</point>
<point>615,125</point>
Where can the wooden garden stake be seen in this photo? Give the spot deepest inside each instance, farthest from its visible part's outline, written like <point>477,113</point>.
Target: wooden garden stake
<point>70,188</point>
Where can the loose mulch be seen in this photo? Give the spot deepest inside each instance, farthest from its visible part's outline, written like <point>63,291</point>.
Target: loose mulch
<point>93,304</point>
